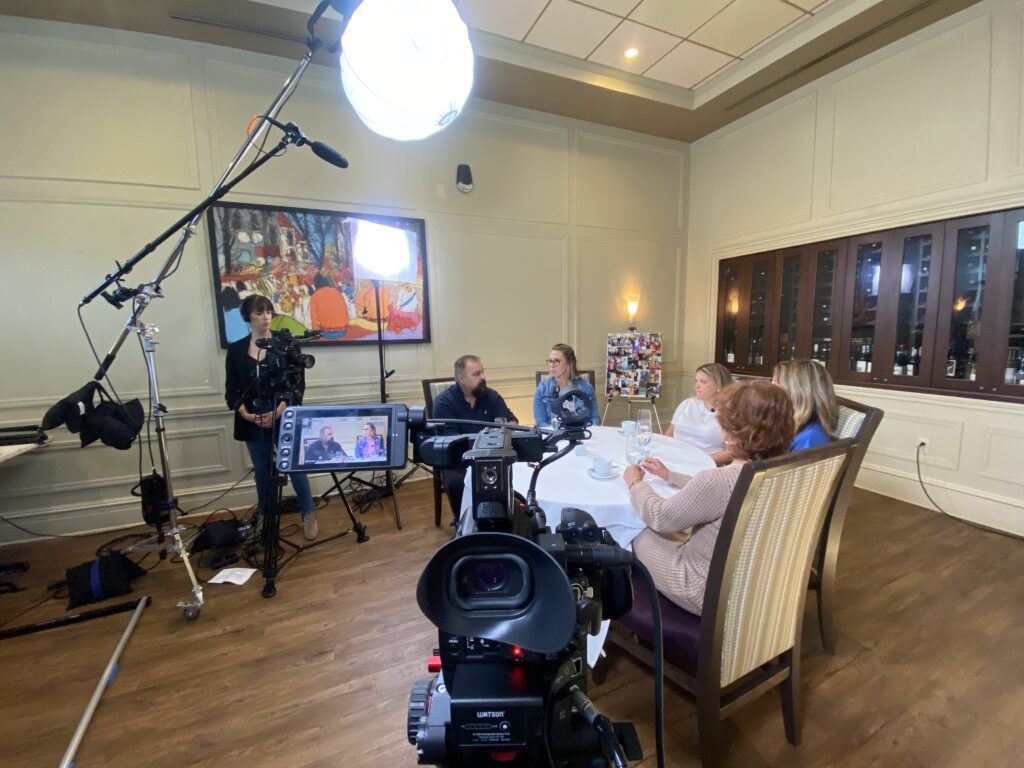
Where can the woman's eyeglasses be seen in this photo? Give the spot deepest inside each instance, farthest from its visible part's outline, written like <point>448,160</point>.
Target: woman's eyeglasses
<point>553,362</point>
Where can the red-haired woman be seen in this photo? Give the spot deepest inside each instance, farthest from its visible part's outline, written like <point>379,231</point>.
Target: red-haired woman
<point>756,419</point>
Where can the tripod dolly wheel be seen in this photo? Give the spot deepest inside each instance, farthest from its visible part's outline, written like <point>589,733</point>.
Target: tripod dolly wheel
<point>360,530</point>
<point>191,613</point>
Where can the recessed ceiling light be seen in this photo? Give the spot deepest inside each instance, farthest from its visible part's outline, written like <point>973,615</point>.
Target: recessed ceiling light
<point>632,53</point>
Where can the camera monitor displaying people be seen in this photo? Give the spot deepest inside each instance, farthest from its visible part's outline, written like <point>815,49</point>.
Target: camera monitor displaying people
<point>329,438</point>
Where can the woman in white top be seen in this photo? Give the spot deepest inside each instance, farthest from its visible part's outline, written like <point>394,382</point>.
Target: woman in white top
<point>694,420</point>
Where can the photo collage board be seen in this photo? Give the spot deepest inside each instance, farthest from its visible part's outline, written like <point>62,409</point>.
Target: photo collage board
<point>633,365</point>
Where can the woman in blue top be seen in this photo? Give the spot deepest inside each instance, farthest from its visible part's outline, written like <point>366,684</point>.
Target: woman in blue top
<point>562,375</point>
<point>814,401</point>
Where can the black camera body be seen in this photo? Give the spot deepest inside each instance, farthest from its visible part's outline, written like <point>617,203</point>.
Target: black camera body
<point>283,366</point>
<point>514,603</point>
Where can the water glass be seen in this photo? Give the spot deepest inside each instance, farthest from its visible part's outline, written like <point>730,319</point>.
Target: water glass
<point>634,449</point>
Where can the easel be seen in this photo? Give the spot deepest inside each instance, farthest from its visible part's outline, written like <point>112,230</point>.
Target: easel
<point>652,399</point>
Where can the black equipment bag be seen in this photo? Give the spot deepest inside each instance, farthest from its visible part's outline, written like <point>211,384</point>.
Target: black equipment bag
<point>153,492</point>
<point>106,576</point>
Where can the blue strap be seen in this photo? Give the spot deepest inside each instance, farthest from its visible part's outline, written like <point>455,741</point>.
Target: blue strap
<point>94,580</point>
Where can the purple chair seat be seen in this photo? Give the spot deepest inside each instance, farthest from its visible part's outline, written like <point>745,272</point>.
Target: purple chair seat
<point>681,629</point>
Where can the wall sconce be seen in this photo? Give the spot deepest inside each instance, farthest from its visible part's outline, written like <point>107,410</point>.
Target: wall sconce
<point>464,178</point>
<point>632,305</point>
<point>959,304</point>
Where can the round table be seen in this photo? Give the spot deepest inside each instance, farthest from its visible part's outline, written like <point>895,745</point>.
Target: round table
<point>567,483</point>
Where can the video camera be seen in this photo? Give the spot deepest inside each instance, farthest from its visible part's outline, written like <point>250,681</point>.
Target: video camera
<point>282,367</point>
<point>513,601</point>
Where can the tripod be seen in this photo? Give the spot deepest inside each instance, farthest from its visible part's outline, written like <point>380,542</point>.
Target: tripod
<point>142,295</point>
<point>272,538</point>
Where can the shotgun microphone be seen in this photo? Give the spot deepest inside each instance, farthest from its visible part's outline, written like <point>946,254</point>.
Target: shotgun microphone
<point>321,150</point>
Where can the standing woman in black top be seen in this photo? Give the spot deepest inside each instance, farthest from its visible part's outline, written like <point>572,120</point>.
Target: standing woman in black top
<point>257,409</point>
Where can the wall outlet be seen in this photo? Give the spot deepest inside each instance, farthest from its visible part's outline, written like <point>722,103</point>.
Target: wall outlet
<point>922,442</point>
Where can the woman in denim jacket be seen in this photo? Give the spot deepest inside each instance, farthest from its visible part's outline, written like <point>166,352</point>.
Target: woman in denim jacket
<point>562,375</point>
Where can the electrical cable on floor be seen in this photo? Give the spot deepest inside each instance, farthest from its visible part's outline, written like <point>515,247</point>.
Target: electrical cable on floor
<point>920,479</point>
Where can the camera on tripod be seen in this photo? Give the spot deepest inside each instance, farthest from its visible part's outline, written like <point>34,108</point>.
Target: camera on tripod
<point>285,362</point>
<point>514,603</point>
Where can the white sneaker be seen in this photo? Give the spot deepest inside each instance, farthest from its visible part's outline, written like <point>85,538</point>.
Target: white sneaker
<point>309,526</point>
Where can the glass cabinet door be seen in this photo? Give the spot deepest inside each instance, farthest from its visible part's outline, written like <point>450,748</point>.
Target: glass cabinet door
<point>917,276</point>
<point>861,323</point>
<point>826,266</point>
<point>758,318</point>
<point>963,361</point>
<point>1011,375</point>
<point>789,306</point>
<point>730,297</point>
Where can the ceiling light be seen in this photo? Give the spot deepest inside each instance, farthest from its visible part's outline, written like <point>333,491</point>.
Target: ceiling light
<point>632,53</point>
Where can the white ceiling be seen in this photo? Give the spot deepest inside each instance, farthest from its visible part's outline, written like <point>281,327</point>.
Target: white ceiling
<point>700,64</point>
<point>684,43</point>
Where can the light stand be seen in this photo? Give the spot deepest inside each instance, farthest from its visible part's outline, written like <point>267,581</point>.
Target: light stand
<point>142,296</point>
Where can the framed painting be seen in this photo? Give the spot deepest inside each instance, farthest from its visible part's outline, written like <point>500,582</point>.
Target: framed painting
<point>327,271</point>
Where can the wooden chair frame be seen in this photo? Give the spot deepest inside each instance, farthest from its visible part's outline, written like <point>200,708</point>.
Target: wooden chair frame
<point>714,702</point>
<point>428,407</point>
<point>826,558</point>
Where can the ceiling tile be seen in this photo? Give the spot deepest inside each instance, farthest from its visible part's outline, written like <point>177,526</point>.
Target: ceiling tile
<point>744,24</point>
<point>618,7</point>
<point>571,28</point>
<point>502,17</point>
<point>687,65</point>
<point>651,43</point>
<point>679,18</point>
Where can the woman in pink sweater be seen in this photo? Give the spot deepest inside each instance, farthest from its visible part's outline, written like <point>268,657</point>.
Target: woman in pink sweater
<point>756,419</point>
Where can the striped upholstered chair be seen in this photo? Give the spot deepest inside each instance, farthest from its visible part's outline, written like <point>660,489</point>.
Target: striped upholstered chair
<point>857,422</point>
<point>748,639</point>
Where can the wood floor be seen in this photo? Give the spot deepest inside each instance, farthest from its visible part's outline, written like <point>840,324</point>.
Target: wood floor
<point>929,669</point>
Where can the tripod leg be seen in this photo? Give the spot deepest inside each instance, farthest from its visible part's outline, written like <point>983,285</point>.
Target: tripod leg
<point>271,531</point>
<point>389,475</point>
<point>358,527</point>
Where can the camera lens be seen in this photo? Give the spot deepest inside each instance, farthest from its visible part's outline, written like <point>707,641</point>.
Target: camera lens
<point>489,576</point>
<point>490,582</point>
<point>488,476</point>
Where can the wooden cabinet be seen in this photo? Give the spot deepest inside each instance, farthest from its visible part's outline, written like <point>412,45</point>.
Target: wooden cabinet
<point>934,307</point>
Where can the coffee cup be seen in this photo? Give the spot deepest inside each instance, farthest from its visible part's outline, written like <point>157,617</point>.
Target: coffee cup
<point>628,427</point>
<point>601,467</point>
<point>580,450</point>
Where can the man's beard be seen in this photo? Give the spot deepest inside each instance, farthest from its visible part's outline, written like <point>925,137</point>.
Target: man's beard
<point>480,389</point>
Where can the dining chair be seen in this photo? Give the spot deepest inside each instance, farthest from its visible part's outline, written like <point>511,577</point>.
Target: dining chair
<point>431,389</point>
<point>857,422</point>
<point>747,640</point>
<point>590,375</point>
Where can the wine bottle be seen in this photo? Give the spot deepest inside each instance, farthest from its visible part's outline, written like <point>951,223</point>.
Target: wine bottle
<point>915,362</point>
<point>971,368</point>
<point>859,362</point>
<point>1020,370</point>
<point>867,358</point>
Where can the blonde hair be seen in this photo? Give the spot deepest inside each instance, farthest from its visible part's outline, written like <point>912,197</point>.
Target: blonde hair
<point>717,372</point>
<point>570,359</point>
<point>810,388</point>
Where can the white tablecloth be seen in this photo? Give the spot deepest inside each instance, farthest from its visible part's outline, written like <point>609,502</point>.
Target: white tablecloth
<point>566,482</point>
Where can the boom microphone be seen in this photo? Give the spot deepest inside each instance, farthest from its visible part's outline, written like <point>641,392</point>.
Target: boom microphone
<point>321,150</point>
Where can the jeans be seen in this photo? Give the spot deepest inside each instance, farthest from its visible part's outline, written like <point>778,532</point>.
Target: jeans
<point>261,451</point>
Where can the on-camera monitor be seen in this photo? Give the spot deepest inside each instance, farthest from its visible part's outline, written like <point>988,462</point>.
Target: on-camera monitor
<point>342,437</point>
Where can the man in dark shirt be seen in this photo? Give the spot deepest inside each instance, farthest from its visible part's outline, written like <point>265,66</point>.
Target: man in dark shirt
<point>325,449</point>
<point>467,398</point>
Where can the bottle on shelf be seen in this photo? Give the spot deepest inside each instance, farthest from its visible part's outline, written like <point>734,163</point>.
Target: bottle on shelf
<point>901,362</point>
<point>1010,372</point>
<point>867,358</point>
<point>971,367</point>
<point>858,363</point>
<point>915,362</point>
<point>1020,370</point>
<point>951,365</point>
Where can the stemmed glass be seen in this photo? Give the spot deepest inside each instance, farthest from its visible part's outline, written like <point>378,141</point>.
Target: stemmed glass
<point>634,449</point>
<point>644,429</point>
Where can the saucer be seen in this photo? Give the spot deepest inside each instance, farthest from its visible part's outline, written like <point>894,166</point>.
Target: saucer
<point>624,433</point>
<point>611,474</point>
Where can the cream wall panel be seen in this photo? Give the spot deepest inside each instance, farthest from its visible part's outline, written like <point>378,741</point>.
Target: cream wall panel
<point>382,173</point>
<point>611,270</point>
<point>74,246</point>
<point>96,113</point>
<point>764,170</point>
<point>627,185</point>
<point>1002,454</point>
<point>520,168</point>
<point>895,119</point>
<point>498,296</point>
